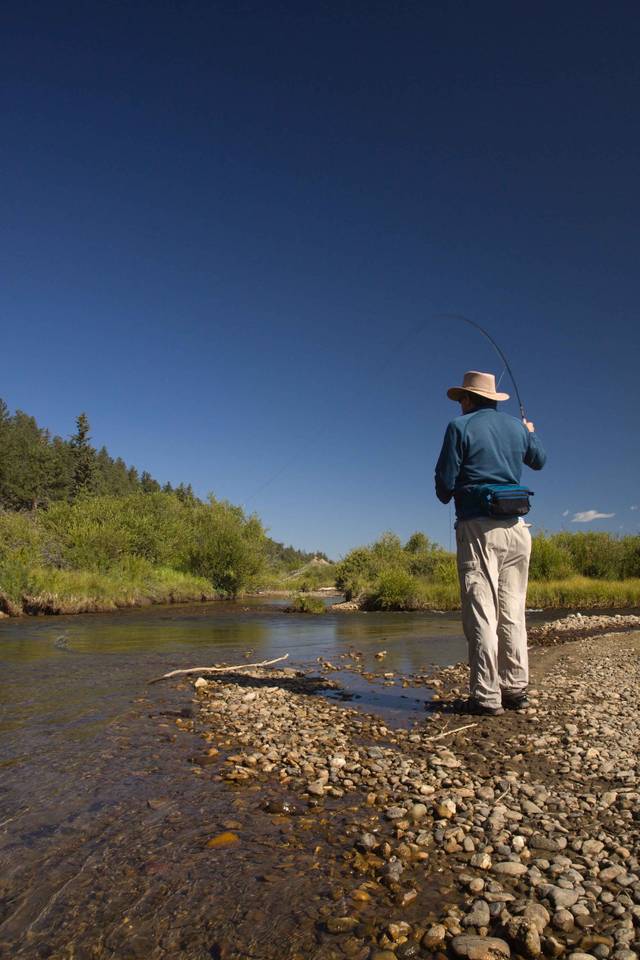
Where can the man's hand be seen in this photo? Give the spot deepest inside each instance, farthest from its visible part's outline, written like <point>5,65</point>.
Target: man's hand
<point>530,427</point>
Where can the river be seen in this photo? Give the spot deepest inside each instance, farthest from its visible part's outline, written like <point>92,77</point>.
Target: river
<point>101,817</point>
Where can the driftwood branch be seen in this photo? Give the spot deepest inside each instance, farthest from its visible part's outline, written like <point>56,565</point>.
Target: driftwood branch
<point>231,669</point>
<point>451,733</point>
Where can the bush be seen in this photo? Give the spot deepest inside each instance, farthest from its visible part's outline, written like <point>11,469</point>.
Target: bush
<point>599,555</point>
<point>226,547</point>
<point>395,590</point>
<point>550,560</point>
<point>354,572</point>
<point>302,603</point>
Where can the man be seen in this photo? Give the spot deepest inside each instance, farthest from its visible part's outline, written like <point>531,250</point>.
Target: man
<point>485,447</point>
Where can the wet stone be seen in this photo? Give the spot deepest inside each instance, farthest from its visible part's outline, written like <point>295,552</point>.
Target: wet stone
<point>480,948</point>
<point>341,924</point>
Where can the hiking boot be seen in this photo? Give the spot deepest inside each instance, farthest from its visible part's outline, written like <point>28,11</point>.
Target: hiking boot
<point>480,710</point>
<point>515,701</point>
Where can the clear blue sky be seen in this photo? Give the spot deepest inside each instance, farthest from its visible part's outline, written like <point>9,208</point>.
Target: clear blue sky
<point>220,221</point>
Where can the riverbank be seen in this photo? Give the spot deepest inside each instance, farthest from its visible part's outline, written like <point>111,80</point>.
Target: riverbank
<point>575,593</point>
<point>66,592</point>
<point>472,837</point>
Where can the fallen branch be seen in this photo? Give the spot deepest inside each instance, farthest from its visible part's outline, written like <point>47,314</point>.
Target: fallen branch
<point>231,669</point>
<point>451,733</point>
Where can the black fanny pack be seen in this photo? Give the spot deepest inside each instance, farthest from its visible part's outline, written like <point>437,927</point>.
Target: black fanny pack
<point>503,499</point>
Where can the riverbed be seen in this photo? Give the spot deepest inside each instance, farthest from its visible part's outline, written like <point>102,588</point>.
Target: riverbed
<point>81,753</point>
<point>103,823</point>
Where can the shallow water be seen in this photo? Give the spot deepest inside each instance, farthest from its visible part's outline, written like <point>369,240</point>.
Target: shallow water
<point>103,824</point>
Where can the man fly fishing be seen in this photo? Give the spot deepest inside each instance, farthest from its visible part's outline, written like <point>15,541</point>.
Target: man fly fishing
<point>480,466</point>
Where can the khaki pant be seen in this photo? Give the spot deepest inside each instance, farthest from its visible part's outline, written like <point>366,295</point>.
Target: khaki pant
<point>493,566</point>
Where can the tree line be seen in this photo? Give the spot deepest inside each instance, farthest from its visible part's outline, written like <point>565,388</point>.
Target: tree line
<point>76,522</point>
<point>37,469</point>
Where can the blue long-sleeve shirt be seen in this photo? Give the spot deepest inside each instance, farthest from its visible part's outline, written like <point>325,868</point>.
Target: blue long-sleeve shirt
<point>486,446</point>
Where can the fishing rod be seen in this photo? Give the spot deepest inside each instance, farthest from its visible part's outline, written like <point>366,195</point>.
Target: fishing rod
<point>459,316</point>
<point>391,357</point>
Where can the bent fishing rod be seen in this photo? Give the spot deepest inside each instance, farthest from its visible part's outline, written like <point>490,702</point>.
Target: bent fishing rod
<point>411,334</point>
<point>459,316</point>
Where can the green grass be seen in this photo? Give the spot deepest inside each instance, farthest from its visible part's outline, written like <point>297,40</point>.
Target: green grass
<point>393,592</point>
<point>47,590</point>
<point>584,592</point>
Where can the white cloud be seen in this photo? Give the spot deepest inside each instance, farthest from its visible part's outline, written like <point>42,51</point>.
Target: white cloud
<point>634,507</point>
<point>565,513</point>
<point>588,515</point>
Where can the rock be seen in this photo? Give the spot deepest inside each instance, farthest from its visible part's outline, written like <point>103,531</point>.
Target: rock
<point>524,937</point>
<point>610,873</point>
<point>408,897</point>
<point>479,915</point>
<point>417,812</point>
<point>368,841</point>
<point>538,915</point>
<point>541,842</point>
<point>395,813</point>
<point>317,788</point>
<point>341,924</point>
<point>227,839</point>
<point>201,684</point>
<point>480,948</point>
<point>591,848</point>
<point>509,868</point>
<point>408,950</point>
<point>434,936</point>
<point>563,920</point>
<point>481,860</point>
<point>446,809</point>
<point>393,871</point>
<point>552,947</point>
<point>560,898</point>
<point>396,931</point>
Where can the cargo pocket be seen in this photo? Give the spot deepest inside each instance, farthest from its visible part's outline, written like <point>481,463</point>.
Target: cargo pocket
<point>471,575</point>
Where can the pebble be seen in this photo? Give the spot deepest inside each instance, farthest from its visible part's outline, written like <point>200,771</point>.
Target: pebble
<point>563,920</point>
<point>341,924</point>
<point>509,868</point>
<point>524,937</point>
<point>434,936</point>
<point>480,948</point>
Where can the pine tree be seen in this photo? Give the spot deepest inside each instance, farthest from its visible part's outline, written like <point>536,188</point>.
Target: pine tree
<point>84,459</point>
<point>148,484</point>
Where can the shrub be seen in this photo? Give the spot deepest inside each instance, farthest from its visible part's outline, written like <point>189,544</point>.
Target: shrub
<point>550,560</point>
<point>226,547</point>
<point>598,555</point>
<point>303,603</point>
<point>354,572</point>
<point>395,590</point>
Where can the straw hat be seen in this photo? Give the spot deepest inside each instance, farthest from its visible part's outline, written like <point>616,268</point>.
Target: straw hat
<point>484,384</point>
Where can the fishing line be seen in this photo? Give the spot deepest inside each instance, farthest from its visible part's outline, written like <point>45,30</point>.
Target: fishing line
<point>391,357</point>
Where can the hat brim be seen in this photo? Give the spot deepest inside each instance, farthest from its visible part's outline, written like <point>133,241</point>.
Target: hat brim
<point>455,393</point>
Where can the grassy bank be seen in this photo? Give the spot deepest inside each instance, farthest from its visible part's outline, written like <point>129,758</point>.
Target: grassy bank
<point>582,570</point>
<point>100,553</point>
<point>574,593</point>
<point>47,591</point>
